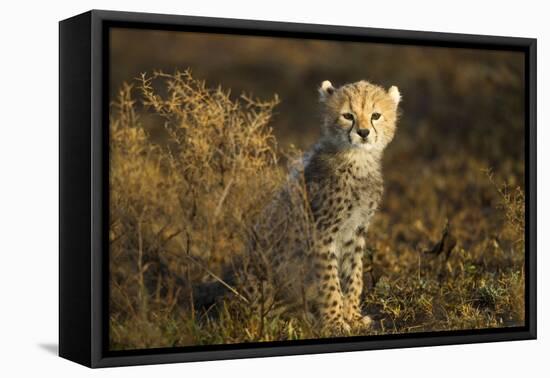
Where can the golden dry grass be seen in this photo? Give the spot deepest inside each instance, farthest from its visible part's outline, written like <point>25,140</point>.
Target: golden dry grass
<point>181,205</point>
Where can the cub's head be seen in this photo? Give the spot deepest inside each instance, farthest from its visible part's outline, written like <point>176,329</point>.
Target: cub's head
<point>359,115</point>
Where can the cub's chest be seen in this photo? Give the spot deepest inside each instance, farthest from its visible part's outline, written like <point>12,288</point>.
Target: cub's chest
<point>363,194</point>
<point>363,198</point>
<point>357,220</point>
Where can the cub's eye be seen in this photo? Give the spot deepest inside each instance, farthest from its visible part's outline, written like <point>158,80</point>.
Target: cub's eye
<point>375,116</point>
<point>348,116</point>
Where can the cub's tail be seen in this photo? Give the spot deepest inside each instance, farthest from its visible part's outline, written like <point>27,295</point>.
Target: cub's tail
<point>208,294</point>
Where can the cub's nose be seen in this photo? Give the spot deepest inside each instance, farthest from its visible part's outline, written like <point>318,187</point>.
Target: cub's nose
<point>363,133</point>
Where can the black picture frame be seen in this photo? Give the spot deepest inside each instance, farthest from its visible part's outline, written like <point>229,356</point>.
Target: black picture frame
<point>84,191</point>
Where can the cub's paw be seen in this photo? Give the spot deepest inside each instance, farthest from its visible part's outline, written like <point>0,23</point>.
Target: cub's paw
<point>337,327</point>
<point>357,320</point>
<point>363,322</point>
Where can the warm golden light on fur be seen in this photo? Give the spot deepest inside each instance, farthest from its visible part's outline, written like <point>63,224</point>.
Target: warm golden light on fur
<point>359,101</point>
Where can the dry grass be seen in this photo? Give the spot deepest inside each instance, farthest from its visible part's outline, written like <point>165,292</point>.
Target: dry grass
<point>184,204</point>
<point>183,201</point>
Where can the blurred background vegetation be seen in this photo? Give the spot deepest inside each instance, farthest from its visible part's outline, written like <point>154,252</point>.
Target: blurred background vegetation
<point>446,248</point>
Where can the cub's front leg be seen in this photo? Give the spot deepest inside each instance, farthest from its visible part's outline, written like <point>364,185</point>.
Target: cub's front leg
<point>330,299</point>
<point>351,276</point>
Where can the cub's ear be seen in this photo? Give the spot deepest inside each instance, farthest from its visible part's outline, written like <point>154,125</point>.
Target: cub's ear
<point>394,94</point>
<point>326,90</point>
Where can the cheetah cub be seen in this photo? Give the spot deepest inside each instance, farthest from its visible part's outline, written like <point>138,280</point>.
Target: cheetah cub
<point>305,256</point>
<point>344,181</point>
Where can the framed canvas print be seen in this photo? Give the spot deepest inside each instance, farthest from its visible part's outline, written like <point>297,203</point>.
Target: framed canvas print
<point>233,188</point>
